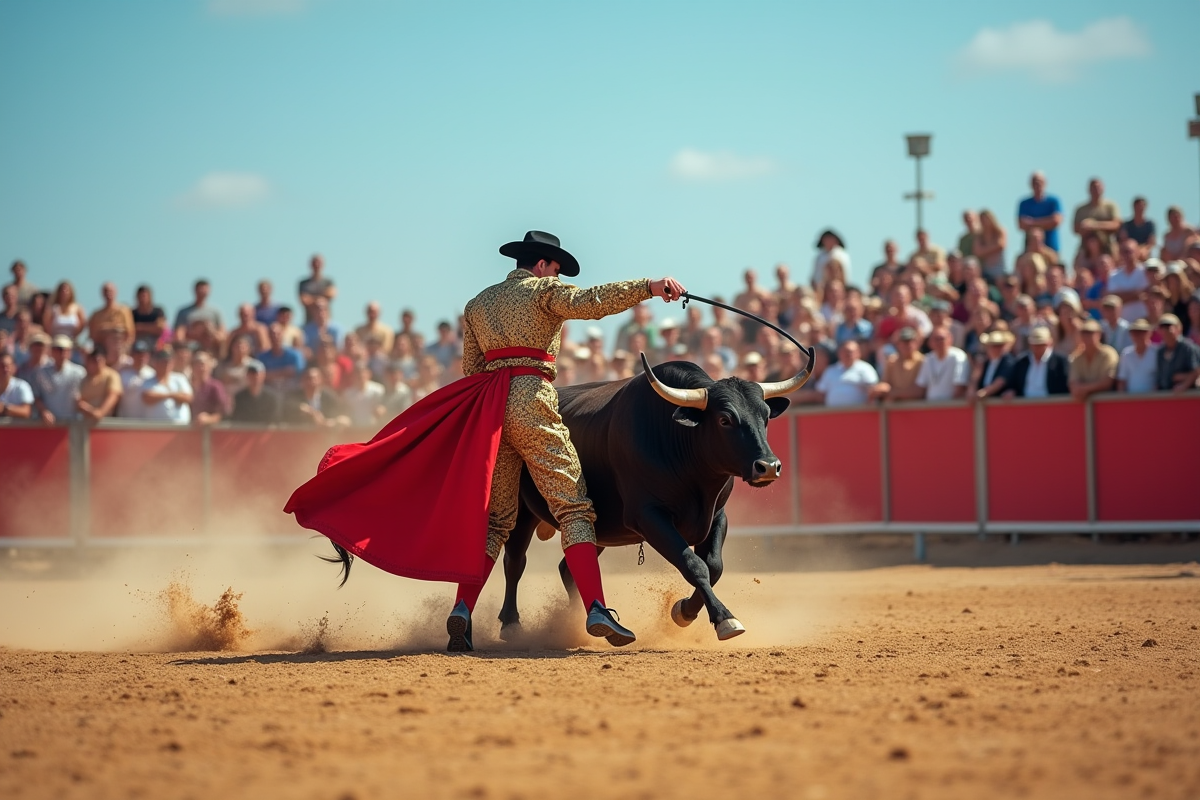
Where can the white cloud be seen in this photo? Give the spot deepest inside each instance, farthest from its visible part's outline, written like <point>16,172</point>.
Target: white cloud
<point>690,164</point>
<point>227,190</point>
<point>255,8</point>
<point>1051,55</point>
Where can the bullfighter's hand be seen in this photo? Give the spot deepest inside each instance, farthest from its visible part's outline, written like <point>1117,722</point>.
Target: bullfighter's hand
<point>667,288</point>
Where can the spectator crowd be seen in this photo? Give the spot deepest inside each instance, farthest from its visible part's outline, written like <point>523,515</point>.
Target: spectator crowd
<point>988,317</point>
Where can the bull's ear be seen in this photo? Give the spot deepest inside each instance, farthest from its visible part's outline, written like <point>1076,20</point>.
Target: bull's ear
<point>688,416</point>
<point>778,405</point>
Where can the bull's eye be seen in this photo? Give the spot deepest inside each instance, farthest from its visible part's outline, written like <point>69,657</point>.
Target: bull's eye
<point>725,421</point>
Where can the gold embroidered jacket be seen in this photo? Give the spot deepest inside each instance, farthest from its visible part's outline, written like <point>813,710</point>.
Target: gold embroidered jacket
<point>526,311</point>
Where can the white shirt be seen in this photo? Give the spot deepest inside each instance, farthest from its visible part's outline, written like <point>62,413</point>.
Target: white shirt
<point>844,386</point>
<point>939,377</point>
<point>824,257</point>
<point>1035,378</point>
<point>1140,373</point>
<point>1122,281</point>
<point>59,389</point>
<point>167,410</point>
<point>130,406</point>
<point>17,393</point>
<point>361,403</point>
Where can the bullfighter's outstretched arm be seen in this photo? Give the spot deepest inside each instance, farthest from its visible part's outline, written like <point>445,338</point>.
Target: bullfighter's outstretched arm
<point>572,302</point>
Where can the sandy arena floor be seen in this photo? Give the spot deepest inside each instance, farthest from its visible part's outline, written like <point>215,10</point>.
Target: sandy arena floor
<point>1046,682</point>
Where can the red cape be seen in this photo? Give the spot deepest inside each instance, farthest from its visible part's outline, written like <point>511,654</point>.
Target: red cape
<point>414,500</point>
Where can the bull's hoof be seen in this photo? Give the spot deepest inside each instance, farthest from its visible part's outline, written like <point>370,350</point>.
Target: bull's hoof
<point>729,628</point>
<point>511,632</point>
<point>679,617</point>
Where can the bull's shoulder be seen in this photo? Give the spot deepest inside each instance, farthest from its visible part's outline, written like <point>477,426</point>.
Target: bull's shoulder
<point>588,399</point>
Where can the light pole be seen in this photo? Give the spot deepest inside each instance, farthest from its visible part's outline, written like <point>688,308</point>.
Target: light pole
<point>1194,124</point>
<point>918,148</point>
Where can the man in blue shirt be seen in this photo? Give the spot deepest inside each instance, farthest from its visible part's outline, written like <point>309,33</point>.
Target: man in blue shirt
<point>283,365</point>
<point>321,327</point>
<point>1041,211</point>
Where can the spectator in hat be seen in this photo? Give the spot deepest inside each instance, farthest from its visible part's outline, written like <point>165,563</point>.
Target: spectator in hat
<point>1041,372</point>
<point>167,394</point>
<point>669,337</point>
<point>997,370</point>
<point>257,404</point>
<point>110,317</point>
<point>1178,358</point>
<point>1129,282</point>
<point>149,320</point>
<point>100,390</point>
<point>133,379</point>
<point>848,382</point>
<point>314,404</point>
<point>832,262</point>
<point>1041,211</point>
<point>1139,229</point>
<point>945,372</point>
<point>1114,329</point>
<point>1094,367</point>
<point>37,355</point>
<point>901,368</point>
<point>210,397</point>
<point>1137,371</point>
<point>56,384</point>
<point>316,288</point>
<point>16,395</point>
<point>754,367</point>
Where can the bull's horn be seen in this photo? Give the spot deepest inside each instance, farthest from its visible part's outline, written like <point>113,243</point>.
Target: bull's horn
<point>688,398</point>
<point>780,388</point>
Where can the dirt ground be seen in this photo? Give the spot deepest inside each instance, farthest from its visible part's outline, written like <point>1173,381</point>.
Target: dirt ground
<point>1047,681</point>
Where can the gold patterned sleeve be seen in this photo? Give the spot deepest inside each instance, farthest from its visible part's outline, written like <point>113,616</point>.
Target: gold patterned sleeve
<point>473,360</point>
<point>572,302</point>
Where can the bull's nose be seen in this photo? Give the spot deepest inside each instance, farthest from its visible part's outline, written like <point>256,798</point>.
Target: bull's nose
<point>767,469</point>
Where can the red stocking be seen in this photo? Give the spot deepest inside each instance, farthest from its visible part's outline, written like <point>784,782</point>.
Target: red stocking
<point>469,592</point>
<point>585,569</point>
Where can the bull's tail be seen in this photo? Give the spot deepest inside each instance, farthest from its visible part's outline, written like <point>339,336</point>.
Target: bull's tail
<point>344,558</point>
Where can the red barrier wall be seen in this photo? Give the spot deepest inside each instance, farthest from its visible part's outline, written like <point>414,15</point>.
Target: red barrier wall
<point>146,482</point>
<point>1147,460</point>
<point>769,505</point>
<point>1036,461</point>
<point>931,464</point>
<point>255,472</point>
<point>840,477</point>
<point>35,483</point>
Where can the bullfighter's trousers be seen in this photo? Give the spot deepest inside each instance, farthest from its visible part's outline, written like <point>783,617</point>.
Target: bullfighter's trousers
<point>534,435</point>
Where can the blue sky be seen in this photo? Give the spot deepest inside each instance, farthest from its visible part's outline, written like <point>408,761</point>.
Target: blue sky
<point>230,139</point>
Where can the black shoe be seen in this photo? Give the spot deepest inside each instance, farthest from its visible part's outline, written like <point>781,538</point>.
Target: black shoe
<point>458,625</point>
<point>600,622</point>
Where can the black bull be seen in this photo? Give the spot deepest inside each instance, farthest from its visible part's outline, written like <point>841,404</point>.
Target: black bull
<point>660,470</point>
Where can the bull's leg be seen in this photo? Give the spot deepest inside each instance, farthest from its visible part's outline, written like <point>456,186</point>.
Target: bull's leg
<point>711,551</point>
<point>515,550</point>
<point>659,532</point>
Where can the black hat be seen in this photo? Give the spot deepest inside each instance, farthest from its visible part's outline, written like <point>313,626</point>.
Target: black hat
<point>834,234</point>
<point>538,245</point>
